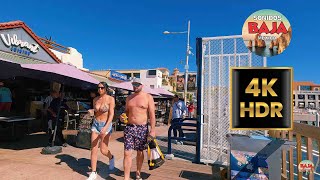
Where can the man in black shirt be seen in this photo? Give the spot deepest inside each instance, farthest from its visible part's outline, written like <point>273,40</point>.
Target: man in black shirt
<point>53,113</point>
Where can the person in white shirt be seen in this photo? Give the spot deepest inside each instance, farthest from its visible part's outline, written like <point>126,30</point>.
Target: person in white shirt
<point>179,111</point>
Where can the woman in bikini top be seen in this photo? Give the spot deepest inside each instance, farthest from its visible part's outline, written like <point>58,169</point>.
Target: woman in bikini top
<point>103,107</point>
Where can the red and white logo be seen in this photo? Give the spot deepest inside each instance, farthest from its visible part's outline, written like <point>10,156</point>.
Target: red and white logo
<point>306,166</point>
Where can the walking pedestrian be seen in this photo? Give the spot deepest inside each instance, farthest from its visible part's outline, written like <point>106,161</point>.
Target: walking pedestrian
<point>101,128</point>
<point>139,106</point>
<point>179,111</point>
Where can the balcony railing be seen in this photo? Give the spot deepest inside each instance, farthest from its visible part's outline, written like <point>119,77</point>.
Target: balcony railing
<point>300,132</point>
<point>55,46</point>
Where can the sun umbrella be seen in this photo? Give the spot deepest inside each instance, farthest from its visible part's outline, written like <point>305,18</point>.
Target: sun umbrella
<point>164,92</point>
<point>128,86</point>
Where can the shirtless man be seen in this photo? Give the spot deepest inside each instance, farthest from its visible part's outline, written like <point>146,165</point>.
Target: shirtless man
<point>139,107</point>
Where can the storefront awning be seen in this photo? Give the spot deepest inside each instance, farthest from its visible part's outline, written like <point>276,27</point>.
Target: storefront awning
<point>60,73</point>
<point>164,92</point>
<point>102,79</point>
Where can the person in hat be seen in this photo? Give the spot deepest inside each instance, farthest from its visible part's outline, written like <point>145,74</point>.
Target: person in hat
<point>139,106</point>
<point>101,127</point>
<point>5,98</point>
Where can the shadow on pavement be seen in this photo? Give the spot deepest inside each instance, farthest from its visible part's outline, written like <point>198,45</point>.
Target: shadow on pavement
<point>27,142</point>
<point>82,165</point>
<point>120,173</point>
<point>195,175</point>
<point>120,139</point>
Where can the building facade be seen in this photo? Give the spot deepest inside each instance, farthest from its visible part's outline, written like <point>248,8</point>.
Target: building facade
<point>306,95</point>
<point>149,77</point>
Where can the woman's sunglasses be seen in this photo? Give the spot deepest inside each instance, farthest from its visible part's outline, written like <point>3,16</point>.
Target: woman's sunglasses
<point>101,87</point>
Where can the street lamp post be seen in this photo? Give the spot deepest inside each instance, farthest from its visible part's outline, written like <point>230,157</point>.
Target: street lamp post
<point>187,59</point>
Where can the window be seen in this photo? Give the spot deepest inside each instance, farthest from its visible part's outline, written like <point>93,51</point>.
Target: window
<point>311,97</point>
<point>305,88</point>
<point>128,75</point>
<point>301,105</point>
<point>152,72</point>
<point>301,96</point>
<point>294,96</point>
<point>152,86</point>
<point>137,75</point>
<point>316,89</point>
<point>311,105</point>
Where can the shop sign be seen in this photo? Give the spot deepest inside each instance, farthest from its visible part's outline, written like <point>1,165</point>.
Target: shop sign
<point>119,76</point>
<point>18,45</point>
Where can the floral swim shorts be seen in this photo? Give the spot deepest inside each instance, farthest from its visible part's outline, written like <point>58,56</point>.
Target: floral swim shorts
<point>135,137</point>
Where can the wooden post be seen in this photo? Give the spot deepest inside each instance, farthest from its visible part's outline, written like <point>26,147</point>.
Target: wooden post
<point>284,156</point>
<point>309,155</point>
<point>299,154</point>
<point>291,167</point>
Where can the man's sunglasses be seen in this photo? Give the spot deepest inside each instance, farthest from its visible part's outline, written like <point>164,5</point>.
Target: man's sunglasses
<point>136,84</point>
<point>101,87</point>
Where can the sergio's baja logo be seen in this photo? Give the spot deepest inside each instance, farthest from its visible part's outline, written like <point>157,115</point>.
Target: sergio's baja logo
<point>306,166</point>
<point>267,33</point>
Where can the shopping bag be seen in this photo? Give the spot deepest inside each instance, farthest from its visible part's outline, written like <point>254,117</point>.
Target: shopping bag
<point>155,156</point>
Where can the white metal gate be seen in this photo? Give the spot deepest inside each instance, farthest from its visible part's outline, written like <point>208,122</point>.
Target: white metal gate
<point>215,57</point>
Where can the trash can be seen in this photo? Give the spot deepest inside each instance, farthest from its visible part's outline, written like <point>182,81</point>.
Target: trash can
<point>255,157</point>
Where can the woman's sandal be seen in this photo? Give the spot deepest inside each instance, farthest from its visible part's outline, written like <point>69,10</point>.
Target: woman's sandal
<point>138,178</point>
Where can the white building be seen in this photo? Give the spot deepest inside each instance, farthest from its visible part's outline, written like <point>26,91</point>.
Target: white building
<point>67,55</point>
<point>149,77</point>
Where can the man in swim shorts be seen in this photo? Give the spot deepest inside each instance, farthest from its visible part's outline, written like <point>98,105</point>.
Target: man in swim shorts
<point>139,106</point>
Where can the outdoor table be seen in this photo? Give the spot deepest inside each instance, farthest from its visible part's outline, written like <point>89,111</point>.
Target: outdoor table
<point>13,121</point>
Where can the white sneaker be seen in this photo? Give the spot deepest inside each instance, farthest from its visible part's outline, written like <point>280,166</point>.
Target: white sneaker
<point>111,163</point>
<point>92,176</point>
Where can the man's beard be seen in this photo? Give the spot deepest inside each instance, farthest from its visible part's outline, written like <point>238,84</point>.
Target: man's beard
<point>138,90</point>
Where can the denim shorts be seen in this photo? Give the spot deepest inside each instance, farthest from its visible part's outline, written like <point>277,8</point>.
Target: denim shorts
<point>98,125</point>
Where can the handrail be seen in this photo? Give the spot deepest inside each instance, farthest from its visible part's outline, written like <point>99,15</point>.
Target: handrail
<point>180,124</point>
<point>301,131</point>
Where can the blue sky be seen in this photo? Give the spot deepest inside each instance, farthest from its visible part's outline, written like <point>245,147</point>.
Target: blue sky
<point>115,34</point>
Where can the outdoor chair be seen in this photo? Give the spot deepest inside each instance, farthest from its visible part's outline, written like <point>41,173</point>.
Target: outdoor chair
<point>71,121</point>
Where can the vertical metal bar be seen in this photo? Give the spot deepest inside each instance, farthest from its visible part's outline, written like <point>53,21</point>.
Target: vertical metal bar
<point>264,62</point>
<point>209,100</point>
<point>250,59</point>
<point>235,50</point>
<point>199,55</point>
<point>202,101</point>
<point>219,103</point>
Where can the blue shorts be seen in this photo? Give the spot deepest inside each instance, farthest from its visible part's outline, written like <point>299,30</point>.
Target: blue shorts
<point>98,125</point>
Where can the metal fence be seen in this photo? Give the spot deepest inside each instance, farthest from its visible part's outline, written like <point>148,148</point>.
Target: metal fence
<point>215,56</point>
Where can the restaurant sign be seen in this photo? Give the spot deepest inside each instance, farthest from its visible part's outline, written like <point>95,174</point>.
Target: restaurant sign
<point>18,45</point>
<point>117,75</point>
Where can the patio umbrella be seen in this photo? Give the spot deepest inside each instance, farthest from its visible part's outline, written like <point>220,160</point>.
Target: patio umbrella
<point>128,86</point>
<point>164,92</point>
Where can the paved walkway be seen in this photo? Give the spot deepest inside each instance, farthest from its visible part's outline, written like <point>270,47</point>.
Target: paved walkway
<point>23,160</point>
